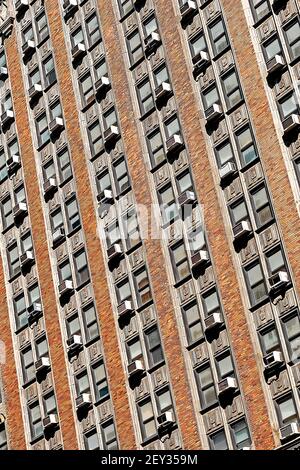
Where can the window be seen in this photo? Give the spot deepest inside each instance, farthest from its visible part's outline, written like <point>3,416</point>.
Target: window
<point>20,194</point>
<point>218,441</point>
<point>35,420</point>
<point>168,206</point>
<point>154,347</point>
<point>3,437</point>
<point>134,46</point>
<point>28,34</point>
<point>131,229</point>
<point>90,322</point>
<point>103,182</point>
<point>73,326</point>
<point>184,182</point>
<point>121,175</point>
<point>100,381</point>
<point>49,170</point>
<point>211,303</point>
<point>77,37</point>
<point>192,322</point>
<point>292,34</point>
<point>206,387</point>
<point>197,45</point>
<point>125,6</point>
<point>93,30</point>
<point>246,146</point>
<point>91,440</point>
<point>164,401</point>
<point>147,419</point>
<point>287,106</point>
<point>260,8</point>
<point>240,434</point>
<point>123,291</point>
<point>13,260</point>
<point>26,243</point>
<point>180,263</point>
<point>286,410</point>
<point>110,118</point>
<point>7,214</point>
<point>42,27</point>
<point>49,71</point>
<point>134,350</point>
<point>145,97</point>
<point>81,266</point>
<point>142,287</point>
<point>210,97</point>
<point>218,36</point>
<point>42,347</point>
<point>275,261</point>
<point>261,206</point>
<point>225,366</point>
<point>95,138</point>
<point>271,48</point>
<point>232,89</point>
<point>86,89</point>
<point>196,240</point>
<point>3,167</point>
<point>64,271</point>
<point>56,220</point>
<point>82,383</point>
<point>161,75</point>
<point>20,311</point>
<point>13,147</point>
<point>34,77</point>
<point>64,165</point>
<point>101,69</point>
<point>43,134</point>
<point>156,148</point>
<point>113,234</point>
<point>49,403</point>
<point>297,169</point>
<point>55,110</point>
<point>269,340</point>
<point>34,294</point>
<point>109,436</point>
<point>291,328</point>
<point>172,127</point>
<point>238,212</point>
<point>27,365</point>
<point>73,217</point>
<point>255,283</point>
<point>224,154</point>
<point>149,26</point>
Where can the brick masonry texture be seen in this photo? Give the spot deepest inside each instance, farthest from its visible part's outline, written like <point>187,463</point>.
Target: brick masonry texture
<point>94,253</point>
<point>226,276</point>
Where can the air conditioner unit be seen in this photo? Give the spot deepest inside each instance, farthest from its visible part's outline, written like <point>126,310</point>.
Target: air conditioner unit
<point>35,91</point>
<point>125,308</point>
<point>174,144</point>
<point>49,186</point>
<point>227,385</point>
<point>28,48</point>
<point>3,73</point>
<point>213,321</point>
<point>74,342</point>
<point>273,360</point>
<point>135,369</point>
<point>83,401</point>
<point>58,235</point>
<point>42,364</point>
<point>7,117</point>
<point>227,170</point>
<point>165,420</point>
<point>111,134</point>
<point>51,421</point>
<point>105,196</point>
<point>26,259</point>
<point>69,6</point>
<point>213,113</point>
<point>199,259</point>
<point>275,64</point>
<point>13,163</point>
<point>78,51</point>
<point>19,210</point>
<point>242,229</point>
<point>115,251</point>
<point>102,85</point>
<point>245,448</point>
<point>291,123</point>
<point>151,43</point>
<point>188,10</point>
<point>21,6</point>
<point>200,61</point>
<point>289,431</point>
<point>65,288</point>
<point>278,282</point>
<point>56,125</point>
<point>163,91</point>
<point>188,197</point>
<point>34,311</point>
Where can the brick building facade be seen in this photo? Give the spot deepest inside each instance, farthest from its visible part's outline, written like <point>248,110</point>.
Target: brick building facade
<point>150,234</point>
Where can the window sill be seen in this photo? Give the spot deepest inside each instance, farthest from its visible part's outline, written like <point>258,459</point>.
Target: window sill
<point>182,281</point>
<point>209,408</point>
<point>82,285</point>
<point>147,304</point>
<point>27,384</point>
<point>157,366</point>
<point>263,227</point>
<point>257,23</point>
<point>36,439</point>
<point>138,62</point>
<point>217,56</point>
<point>147,114</point>
<point>73,231</point>
<point>101,400</point>
<point>249,165</point>
<point>157,166</point>
<point>235,107</point>
<point>9,227</point>
<point>92,341</point>
<point>192,345</point>
<point>47,88</point>
<point>259,304</point>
